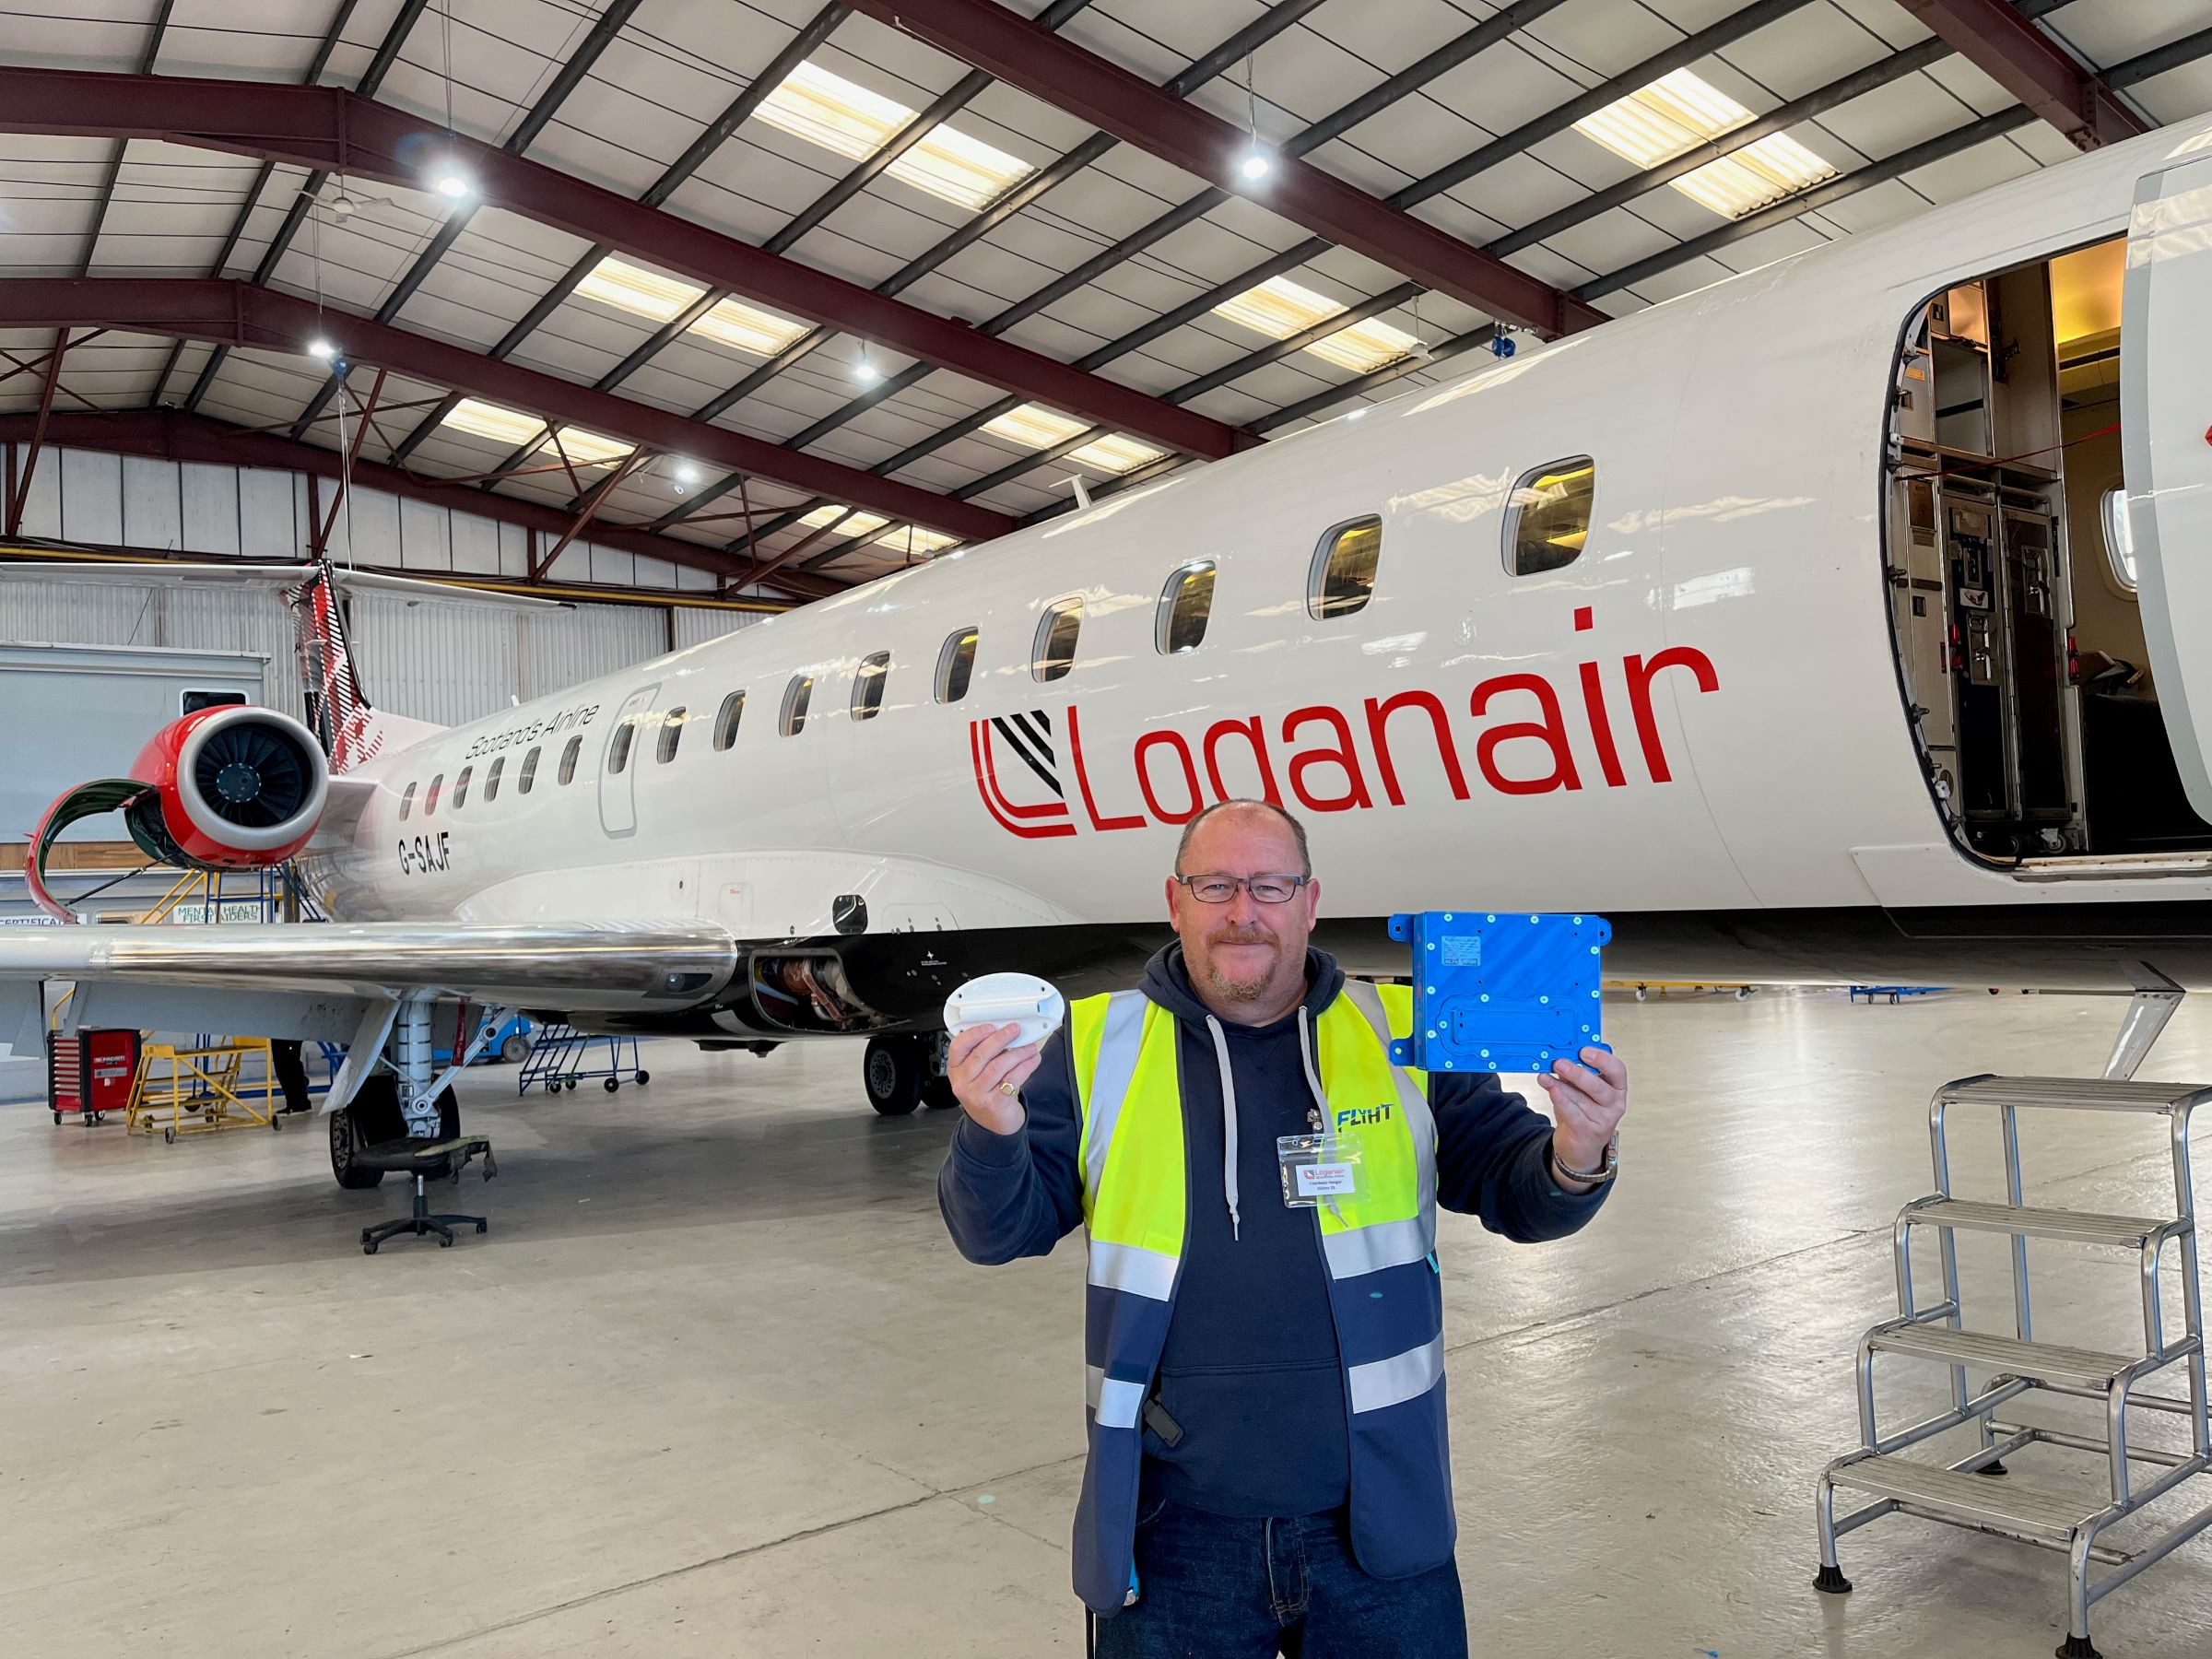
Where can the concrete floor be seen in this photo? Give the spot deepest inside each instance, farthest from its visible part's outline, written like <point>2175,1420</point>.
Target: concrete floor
<point>717,1383</point>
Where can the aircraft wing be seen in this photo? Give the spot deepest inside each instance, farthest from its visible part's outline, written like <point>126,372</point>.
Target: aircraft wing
<point>333,982</point>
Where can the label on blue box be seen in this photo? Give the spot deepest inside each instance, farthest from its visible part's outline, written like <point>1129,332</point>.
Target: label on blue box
<point>1504,991</point>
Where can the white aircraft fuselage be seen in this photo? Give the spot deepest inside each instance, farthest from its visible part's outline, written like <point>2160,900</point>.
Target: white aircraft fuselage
<point>1695,728</point>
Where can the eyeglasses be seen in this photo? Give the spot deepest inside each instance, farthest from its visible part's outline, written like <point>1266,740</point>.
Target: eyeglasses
<point>1217,888</point>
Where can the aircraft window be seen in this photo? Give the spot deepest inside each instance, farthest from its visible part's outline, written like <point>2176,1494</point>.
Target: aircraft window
<point>567,758</point>
<point>672,733</point>
<point>726,722</point>
<point>406,801</point>
<point>430,801</point>
<point>491,780</point>
<point>1343,578</point>
<point>794,705</point>
<point>1184,604</point>
<point>625,735</point>
<point>2119,541</point>
<point>1547,516</point>
<point>955,665</point>
<point>867,685</point>
<point>461,788</point>
<point>1056,632</point>
<point>529,772</point>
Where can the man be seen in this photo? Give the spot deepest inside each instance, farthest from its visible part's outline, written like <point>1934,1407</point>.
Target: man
<point>1268,1468</point>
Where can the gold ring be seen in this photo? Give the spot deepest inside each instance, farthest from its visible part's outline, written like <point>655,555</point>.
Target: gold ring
<point>1007,1086</point>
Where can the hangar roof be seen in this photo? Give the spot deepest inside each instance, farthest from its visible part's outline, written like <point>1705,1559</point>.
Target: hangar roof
<point>1427,172</point>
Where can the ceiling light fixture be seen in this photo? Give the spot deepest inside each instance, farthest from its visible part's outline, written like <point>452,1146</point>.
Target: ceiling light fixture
<point>320,349</point>
<point>865,371</point>
<point>1256,165</point>
<point>451,183</point>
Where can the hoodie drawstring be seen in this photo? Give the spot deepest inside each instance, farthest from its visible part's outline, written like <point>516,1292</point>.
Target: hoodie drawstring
<point>1229,1122</point>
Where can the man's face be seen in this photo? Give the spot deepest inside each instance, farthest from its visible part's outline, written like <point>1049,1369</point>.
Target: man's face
<point>1245,954</point>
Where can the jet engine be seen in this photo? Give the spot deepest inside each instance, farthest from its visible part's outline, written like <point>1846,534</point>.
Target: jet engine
<point>227,788</point>
<point>234,787</point>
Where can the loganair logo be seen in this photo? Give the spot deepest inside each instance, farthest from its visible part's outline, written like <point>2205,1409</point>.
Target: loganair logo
<point>1352,1116</point>
<point>1327,758</point>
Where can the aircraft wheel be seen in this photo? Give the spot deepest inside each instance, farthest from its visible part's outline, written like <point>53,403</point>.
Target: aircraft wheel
<point>891,1073</point>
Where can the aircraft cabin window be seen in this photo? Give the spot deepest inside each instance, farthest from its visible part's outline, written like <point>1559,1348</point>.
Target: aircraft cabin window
<point>672,733</point>
<point>1057,633</point>
<point>1184,604</point>
<point>1547,516</point>
<point>794,705</point>
<point>529,775</point>
<point>867,685</point>
<point>726,722</point>
<point>430,801</point>
<point>461,788</point>
<point>491,780</point>
<point>406,801</point>
<point>955,665</point>
<point>567,758</point>
<point>2119,541</point>
<point>625,735</point>
<point>1343,578</point>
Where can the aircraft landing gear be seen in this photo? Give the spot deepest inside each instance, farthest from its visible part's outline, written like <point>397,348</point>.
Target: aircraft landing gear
<point>374,1119</point>
<point>895,1073</point>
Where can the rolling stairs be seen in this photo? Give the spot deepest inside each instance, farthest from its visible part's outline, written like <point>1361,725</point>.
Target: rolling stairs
<point>1972,1492</point>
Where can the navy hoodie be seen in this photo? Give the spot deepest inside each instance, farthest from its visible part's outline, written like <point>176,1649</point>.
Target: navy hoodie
<point>1251,1372</point>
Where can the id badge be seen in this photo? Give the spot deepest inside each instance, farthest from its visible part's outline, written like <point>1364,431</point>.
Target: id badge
<point>1319,1169</point>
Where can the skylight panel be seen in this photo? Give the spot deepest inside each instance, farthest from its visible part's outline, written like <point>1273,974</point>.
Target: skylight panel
<point>1760,173</point>
<point>481,420</point>
<point>747,328</point>
<point>1279,307</point>
<point>912,538</point>
<point>586,449</point>
<point>846,118</point>
<point>1680,112</point>
<point>845,519</point>
<point>635,289</point>
<point>1034,427</point>
<point>661,299</point>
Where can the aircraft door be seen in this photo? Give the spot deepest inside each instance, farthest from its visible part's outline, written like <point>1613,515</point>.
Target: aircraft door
<point>627,743</point>
<point>2166,444</point>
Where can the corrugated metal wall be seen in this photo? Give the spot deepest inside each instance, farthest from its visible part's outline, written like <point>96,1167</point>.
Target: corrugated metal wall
<point>427,660</point>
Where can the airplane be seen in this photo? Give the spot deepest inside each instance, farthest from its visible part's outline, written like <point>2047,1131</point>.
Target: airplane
<point>1786,624</point>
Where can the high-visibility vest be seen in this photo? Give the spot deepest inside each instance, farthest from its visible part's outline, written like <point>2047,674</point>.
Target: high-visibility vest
<point>1380,1249</point>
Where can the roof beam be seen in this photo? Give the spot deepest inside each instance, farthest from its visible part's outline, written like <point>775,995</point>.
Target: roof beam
<point>2031,66</point>
<point>985,34</point>
<point>174,435</point>
<point>241,314</point>
<point>335,131</point>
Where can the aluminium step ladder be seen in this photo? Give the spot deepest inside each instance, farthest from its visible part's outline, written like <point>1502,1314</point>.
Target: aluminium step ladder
<point>1962,1493</point>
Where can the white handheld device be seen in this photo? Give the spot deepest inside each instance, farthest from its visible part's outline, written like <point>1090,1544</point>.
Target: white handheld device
<point>996,999</point>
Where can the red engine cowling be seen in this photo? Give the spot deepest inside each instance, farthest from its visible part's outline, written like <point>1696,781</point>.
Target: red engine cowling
<point>234,787</point>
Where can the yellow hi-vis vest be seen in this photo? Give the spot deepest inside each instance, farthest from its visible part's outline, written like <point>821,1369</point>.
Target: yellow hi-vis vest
<point>1380,1249</point>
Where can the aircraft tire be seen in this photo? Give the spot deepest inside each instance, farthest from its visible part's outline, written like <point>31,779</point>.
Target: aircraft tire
<point>891,1073</point>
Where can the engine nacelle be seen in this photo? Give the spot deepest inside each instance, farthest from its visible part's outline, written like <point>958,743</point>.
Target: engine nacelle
<point>235,787</point>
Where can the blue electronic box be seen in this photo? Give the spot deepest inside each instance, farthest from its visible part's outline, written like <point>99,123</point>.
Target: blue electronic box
<point>1499,991</point>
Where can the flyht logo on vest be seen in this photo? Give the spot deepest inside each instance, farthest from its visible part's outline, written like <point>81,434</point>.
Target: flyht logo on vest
<point>1041,784</point>
<point>1352,1116</point>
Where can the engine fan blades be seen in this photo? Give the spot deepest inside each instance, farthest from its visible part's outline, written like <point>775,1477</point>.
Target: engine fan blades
<point>251,776</point>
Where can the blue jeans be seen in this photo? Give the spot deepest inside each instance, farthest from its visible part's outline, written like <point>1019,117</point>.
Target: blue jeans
<point>1217,1587</point>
